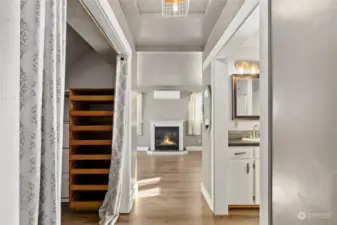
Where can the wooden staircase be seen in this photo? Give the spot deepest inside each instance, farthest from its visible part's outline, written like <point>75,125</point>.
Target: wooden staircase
<point>90,134</point>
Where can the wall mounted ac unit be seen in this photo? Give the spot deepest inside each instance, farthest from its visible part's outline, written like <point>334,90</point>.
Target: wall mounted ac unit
<point>166,94</point>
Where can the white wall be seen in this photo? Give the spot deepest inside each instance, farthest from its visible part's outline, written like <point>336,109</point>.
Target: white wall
<point>167,109</point>
<point>91,71</point>
<point>231,8</point>
<point>215,141</point>
<point>207,151</point>
<point>76,47</point>
<point>9,111</point>
<point>178,69</point>
<point>303,111</point>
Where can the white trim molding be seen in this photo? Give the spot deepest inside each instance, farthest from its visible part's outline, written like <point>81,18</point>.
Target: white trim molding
<point>207,196</point>
<point>165,153</point>
<point>246,9</point>
<point>104,16</point>
<point>142,149</point>
<point>194,148</point>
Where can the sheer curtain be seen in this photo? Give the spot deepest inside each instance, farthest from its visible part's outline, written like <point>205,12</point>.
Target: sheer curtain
<point>109,211</point>
<point>42,73</point>
<point>195,114</point>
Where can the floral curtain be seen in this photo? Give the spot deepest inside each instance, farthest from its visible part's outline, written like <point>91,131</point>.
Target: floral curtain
<point>109,211</point>
<point>42,68</point>
<point>195,114</point>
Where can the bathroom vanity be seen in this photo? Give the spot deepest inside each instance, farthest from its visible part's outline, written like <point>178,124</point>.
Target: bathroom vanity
<point>243,175</point>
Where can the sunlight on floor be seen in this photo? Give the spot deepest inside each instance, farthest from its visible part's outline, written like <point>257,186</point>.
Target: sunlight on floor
<point>149,181</point>
<point>148,193</point>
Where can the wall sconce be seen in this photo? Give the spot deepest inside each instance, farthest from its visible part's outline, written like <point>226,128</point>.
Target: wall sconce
<point>249,67</point>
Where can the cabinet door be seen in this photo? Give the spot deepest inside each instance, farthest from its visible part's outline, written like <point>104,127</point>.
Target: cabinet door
<point>257,181</point>
<point>241,182</point>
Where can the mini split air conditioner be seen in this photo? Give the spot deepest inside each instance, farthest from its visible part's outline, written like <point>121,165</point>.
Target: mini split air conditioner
<point>166,94</point>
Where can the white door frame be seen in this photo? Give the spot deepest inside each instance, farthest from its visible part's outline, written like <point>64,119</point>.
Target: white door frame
<point>106,20</point>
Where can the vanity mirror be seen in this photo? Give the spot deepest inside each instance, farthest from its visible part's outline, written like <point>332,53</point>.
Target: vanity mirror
<point>245,97</point>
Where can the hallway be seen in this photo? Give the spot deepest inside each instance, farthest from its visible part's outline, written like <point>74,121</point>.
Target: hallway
<point>169,193</point>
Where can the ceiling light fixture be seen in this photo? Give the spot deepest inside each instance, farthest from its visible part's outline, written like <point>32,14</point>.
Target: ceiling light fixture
<point>175,8</point>
<point>250,67</point>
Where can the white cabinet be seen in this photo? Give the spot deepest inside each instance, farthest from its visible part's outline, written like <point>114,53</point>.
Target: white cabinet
<point>240,182</point>
<point>244,176</point>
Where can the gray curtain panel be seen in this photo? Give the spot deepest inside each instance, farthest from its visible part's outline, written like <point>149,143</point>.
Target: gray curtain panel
<point>109,211</point>
<point>43,27</point>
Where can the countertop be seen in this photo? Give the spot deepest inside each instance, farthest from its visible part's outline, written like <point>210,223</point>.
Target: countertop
<point>239,142</point>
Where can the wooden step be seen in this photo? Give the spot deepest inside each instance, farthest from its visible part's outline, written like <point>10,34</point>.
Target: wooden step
<point>92,98</point>
<point>85,205</point>
<point>90,113</point>
<point>90,142</point>
<point>91,128</point>
<point>89,157</point>
<point>89,171</point>
<point>83,187</point>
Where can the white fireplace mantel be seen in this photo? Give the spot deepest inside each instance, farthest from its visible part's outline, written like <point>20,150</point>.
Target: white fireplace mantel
<point>168,123</point>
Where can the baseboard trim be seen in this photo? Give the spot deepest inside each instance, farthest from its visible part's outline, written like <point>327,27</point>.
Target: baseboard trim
<point>163,153</point>
<point>194,148</point>
<point>207,197</point>
<point>142,149</point>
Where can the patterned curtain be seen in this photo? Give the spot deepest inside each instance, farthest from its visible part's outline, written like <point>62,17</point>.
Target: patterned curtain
<point>109,211</point>
<point>195,114</point>
<point>42,65</point>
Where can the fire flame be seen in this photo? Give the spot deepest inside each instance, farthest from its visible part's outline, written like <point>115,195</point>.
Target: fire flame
<point>168,141</point>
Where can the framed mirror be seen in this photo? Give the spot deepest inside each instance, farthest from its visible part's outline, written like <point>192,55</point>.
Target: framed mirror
<point>245,97</point>
<point>207,107</point>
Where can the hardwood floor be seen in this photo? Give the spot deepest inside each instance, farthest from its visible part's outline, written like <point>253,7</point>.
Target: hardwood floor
<point>169,193</point>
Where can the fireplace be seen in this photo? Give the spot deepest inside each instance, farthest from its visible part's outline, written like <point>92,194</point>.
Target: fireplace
<point>167,138</point>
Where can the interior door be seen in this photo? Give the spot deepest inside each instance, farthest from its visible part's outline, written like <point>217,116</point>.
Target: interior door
<point>241,182</point>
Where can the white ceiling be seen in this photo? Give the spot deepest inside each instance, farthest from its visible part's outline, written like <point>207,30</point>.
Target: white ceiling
<point>152,31</point>
<point>81,22</point>
<point>155,6</point>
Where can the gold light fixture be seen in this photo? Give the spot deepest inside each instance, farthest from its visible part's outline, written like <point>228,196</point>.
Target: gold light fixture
<point>175,8</point>
<point>249,67</point>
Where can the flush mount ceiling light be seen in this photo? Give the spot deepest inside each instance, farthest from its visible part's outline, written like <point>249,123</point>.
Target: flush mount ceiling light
<point>175,8</point>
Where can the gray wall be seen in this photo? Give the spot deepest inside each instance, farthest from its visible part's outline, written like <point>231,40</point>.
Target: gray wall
<point>180,71</point>
<point>76,47</point>
<point>177,69</point>
<point>304,109</point>
<point>158,109</point>
<point>91,71</point>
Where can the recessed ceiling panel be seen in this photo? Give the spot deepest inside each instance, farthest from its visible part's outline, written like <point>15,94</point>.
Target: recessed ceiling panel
<point>155,6</point>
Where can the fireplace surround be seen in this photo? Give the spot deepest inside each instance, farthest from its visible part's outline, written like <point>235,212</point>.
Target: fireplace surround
<point>167,136</point>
